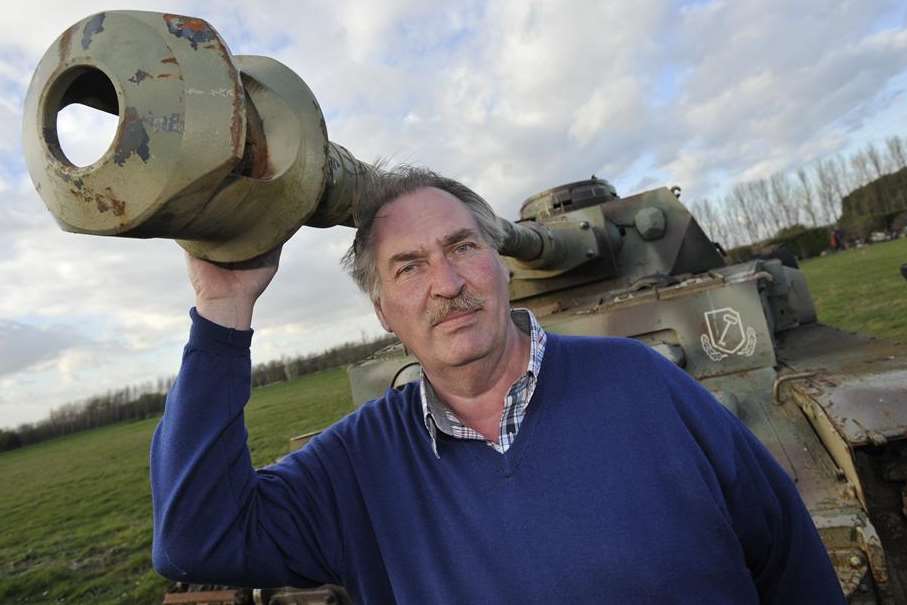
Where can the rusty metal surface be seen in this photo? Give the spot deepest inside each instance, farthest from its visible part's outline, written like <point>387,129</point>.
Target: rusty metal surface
<point>883,471</point>
<point>227,155</point>
<point>821,348</point>
<point>325,595</point>
<point>859,383</point>
<point>163,93</point>
<point>870,408</point>
<point>853,390</point>
<point>787,435</point>
<point>202,597</point>
<point>300,441</point>
<point>837,446</point>
<point>267,209</point>
<point>858,556</point>
<point>830,497</point>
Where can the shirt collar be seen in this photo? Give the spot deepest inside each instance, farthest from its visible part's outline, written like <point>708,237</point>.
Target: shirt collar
<point>437,414</point>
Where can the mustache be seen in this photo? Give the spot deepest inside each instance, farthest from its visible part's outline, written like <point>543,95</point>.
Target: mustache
<point>464,302</point>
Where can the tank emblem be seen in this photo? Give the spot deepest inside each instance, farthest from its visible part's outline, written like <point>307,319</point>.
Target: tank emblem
<point>726,335</point>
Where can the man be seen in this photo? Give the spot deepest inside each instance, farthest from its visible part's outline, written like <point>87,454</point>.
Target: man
<point>523,468</point>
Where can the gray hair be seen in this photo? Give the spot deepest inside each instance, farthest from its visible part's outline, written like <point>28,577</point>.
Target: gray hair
<point>383,186</point>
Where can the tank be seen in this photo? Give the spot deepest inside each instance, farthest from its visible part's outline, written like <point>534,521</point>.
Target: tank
<point>230,156</point>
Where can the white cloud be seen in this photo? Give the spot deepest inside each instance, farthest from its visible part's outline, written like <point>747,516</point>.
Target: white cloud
<point>85,133</point>
<point>610,109</point>
<point>23,345</point>
<point>9,122</point>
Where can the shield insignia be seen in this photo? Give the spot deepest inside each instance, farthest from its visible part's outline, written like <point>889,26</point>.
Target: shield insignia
<point>725,330</point>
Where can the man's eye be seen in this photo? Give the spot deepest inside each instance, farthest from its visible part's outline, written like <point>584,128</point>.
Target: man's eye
<point>405,269</point>
<point>464,247</point>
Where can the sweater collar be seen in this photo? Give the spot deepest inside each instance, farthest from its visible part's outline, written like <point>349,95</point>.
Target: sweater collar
<point>438,415</point>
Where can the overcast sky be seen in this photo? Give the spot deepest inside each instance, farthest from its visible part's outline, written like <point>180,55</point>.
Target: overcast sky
<point>511,97</point>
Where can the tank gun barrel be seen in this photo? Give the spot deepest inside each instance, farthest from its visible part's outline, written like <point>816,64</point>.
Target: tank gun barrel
<point>556,247</point>
<point>542,250</point>
<point>525,243</point>
<point>226,154</point>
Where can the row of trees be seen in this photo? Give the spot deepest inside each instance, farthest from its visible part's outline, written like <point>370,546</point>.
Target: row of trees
<point>284,369</point>
<point>137,402</point>
<point>810,196</point>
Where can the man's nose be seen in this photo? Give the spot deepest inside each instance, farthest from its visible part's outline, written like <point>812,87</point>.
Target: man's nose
<point>446,280</point>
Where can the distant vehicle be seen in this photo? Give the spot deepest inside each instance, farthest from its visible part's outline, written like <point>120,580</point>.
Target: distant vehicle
<point>878,236</point>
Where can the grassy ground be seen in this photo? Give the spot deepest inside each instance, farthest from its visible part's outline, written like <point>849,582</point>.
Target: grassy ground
<point>75,513</point>
<point>861,289</point>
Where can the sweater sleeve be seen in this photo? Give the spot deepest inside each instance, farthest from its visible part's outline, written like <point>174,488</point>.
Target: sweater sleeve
<point>216,519</point>
<point>781,546</point>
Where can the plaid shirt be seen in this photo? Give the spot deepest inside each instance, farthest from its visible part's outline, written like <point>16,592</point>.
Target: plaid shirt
<point>438,416</point>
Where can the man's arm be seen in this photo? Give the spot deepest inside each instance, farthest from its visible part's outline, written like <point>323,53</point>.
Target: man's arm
<point>783,551</point>
<point>215,519</point>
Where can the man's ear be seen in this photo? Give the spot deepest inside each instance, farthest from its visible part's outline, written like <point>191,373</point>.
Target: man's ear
<point>376,304</point>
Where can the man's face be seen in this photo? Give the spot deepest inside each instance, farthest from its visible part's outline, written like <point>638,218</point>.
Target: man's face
<point>443,289</point>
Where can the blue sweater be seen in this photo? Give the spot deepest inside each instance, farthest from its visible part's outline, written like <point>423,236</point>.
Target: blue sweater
<point>627,483</point>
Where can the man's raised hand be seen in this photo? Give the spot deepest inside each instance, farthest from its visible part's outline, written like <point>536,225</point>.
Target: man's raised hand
<point>225,293</point>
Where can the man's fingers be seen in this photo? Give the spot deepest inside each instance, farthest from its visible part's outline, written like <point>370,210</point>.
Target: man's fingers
<point>268,259</point>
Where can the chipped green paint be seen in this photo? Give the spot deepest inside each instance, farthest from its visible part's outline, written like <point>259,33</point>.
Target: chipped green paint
<point>198,156</point>
<point>140,76</point>
<point>195,31</point>
<point>133,138</point>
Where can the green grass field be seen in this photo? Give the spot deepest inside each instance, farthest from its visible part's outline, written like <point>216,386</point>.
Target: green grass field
<point>862,290</point>
<point>75,513</point>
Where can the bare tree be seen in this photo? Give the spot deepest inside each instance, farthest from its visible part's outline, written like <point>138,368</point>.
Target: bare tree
<point>722,231</point>
<point>837,171</point>
<point>769,217</point>
<point>876,161</point>
<point>783,199</point>
<point>742,208</point>
<point>897,154</point>
<point>808,202</point>
<point>710,221</point>
<point>849,180</point>
<point>827,191</point>
<point>731,222</point>
<point>862,171</point>
<point>701,211</point>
